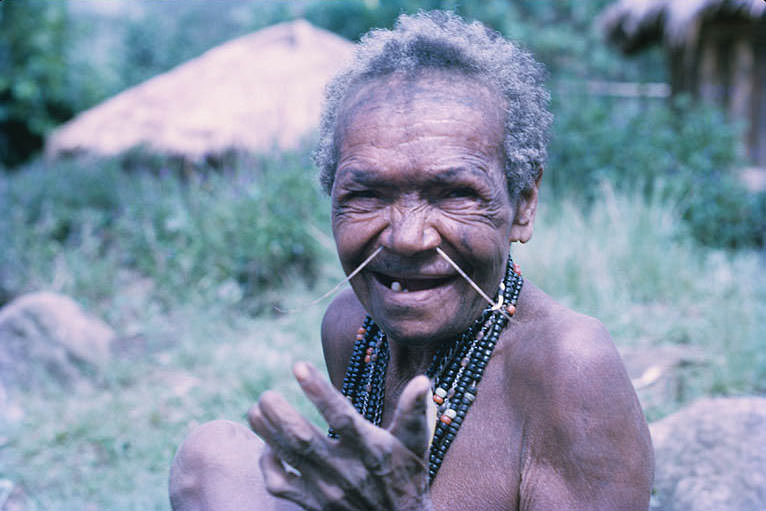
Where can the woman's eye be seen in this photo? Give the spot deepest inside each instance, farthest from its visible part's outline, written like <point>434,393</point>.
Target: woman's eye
<point>459,193</point>
<point>365,194</point>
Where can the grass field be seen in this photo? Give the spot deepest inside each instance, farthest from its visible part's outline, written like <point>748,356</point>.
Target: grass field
<point>107,444</point>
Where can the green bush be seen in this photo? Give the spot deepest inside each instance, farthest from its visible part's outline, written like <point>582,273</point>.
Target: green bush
<point>682,151</point>
<point>33,75</point>
<point>725,214</point>
<point>220,235</point>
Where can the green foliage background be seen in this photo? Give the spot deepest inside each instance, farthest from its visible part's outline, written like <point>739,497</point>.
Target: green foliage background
<point>57,58</point>
<point>225,235</point>
<point>33,75</point>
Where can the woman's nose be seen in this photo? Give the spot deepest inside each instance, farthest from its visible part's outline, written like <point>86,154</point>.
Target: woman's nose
<point>410,231</point>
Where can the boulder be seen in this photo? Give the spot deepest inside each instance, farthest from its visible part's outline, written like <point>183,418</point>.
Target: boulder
<point>46,336</point>
<point>711,456</point>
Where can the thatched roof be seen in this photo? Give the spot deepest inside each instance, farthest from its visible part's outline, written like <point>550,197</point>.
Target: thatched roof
<point>253,93</point>
<point>632,24</point>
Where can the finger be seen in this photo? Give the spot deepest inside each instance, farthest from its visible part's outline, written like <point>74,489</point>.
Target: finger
<point>298,443</point>
<point>339,413</point>
<point>294,438</point>
<point>282,483</point>
<point>410,424</point>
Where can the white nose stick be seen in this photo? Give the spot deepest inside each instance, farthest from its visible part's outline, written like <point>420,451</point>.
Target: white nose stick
<point>396,286</point>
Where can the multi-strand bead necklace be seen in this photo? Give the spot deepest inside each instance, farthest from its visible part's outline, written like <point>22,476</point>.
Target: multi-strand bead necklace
<point>455,371</point>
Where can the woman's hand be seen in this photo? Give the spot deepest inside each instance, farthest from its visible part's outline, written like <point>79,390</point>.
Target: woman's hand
<point>367,468</point>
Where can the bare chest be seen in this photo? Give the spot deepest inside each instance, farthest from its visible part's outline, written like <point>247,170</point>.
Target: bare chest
<point>481,470</point>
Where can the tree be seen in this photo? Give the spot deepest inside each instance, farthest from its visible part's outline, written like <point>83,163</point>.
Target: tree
<point>33,75</point>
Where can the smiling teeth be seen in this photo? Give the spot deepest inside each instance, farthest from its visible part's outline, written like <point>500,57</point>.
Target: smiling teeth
<point>397,286</point>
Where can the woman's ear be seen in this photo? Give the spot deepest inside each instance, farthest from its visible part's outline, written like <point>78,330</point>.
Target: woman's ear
<point>524,217</point>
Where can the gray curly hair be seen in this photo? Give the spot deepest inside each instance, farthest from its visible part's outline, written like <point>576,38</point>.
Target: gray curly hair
<point>444,41</point>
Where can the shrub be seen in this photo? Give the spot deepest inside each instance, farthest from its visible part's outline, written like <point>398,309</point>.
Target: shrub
<point>219,235</point>
<point>684,152</point>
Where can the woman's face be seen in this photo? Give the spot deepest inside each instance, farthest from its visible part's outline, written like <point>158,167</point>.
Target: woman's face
<point>420,167</point>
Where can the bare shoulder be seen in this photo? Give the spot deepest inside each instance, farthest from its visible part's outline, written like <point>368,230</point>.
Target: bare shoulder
<point>586,442</point>
<point>566,349</point>
<point>569,359</point>
<point>341,321</point>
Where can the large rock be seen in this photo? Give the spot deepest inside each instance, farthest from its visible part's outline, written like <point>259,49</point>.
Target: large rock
<point>711,456</point>
<point>47,335</point>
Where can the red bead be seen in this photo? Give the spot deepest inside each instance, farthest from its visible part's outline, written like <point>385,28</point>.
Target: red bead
<point>367,359</point>
<point>361,331</point>
<point>446,420</point>
<point>511,309</point>
<point>438,399</point>
<point>516,269</point>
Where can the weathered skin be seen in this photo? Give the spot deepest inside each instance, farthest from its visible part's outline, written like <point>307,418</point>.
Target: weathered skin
<point>556,424</point>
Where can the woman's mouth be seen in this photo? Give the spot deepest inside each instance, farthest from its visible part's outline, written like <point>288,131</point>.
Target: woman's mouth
<point>401,284</point>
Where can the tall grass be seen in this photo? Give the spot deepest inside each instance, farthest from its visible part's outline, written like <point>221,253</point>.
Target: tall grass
<point>632,263</point>
<point>88,228</point>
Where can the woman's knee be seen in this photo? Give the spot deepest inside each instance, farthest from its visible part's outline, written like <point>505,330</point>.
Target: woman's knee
<point>216,458</point>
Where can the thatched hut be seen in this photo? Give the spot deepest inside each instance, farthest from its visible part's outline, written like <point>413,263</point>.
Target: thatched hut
<point>716,50</point>
<point>254,93</point>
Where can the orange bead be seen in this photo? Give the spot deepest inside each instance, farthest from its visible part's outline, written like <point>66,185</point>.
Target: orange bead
<point>361,331</point>
<point>359,337</point>
<point>446,420</point>
<point>438,399</point>
<point>367,359</point>
<point>511,309</point>
<point>516,269</point>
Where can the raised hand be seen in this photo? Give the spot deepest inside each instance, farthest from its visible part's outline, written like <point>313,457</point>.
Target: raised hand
<point>367,468</point>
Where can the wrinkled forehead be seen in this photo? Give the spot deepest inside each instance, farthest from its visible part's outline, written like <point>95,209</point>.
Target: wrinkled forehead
<point>417,94</point>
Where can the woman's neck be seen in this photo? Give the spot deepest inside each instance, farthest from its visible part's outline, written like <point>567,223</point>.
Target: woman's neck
<point>406,361</point>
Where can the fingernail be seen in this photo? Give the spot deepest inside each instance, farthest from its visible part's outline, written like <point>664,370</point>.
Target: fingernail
<point>253,415</point>
<point>301,371</point>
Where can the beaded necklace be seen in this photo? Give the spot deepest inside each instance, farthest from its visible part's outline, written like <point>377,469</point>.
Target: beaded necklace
<point>455,371</point>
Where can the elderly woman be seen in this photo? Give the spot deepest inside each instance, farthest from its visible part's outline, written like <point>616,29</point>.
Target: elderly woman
<point>456,384</point>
